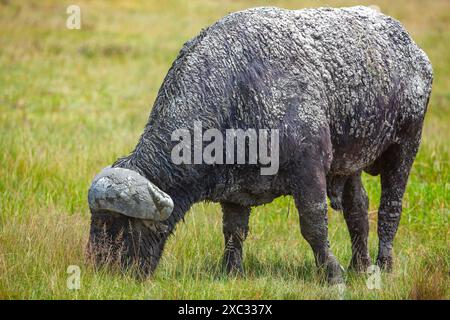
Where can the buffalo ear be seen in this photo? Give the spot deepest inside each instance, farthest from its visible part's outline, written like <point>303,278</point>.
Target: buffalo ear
<point>126,192</point>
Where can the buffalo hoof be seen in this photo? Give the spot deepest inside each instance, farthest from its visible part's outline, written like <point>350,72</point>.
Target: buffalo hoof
<point>385,263</point>
<point>334,271</point>
<point>233,265</point>
<point>359,264</point>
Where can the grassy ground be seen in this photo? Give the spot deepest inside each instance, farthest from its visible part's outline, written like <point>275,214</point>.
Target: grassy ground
<point>71,101</point>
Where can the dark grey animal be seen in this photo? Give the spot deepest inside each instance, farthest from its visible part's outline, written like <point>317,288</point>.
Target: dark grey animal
<point>348,90</point>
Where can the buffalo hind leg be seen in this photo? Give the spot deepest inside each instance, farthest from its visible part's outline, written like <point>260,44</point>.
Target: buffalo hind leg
<point>397,163</point>
<point>310,200</point>
<point>235,230</point>
<point>355,205</point>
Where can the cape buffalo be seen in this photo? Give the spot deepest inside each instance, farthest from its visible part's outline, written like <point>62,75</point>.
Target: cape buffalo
<point>346,89</point>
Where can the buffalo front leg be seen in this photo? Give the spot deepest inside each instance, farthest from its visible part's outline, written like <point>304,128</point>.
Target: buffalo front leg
<point>235,230</point>
<point>355,205</point>
<point>312,207</point>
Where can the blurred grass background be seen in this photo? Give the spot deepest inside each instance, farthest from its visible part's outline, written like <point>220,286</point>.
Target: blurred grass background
<point>72,101</point>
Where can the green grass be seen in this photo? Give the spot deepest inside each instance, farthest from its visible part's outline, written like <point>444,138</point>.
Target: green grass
<point>72,101</point>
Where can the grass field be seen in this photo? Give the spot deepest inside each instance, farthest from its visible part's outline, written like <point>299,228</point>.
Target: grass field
<point>72,101</point>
